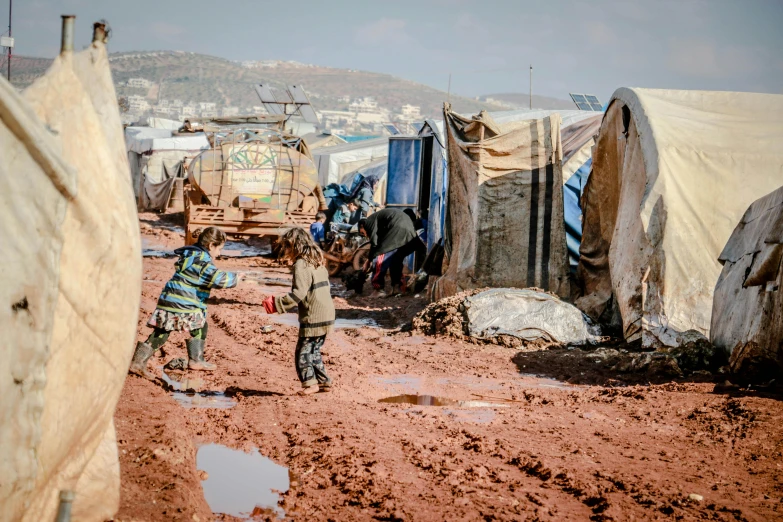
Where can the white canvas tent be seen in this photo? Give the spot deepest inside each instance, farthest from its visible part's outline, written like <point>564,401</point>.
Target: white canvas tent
<point>747,311</point>
<point>156,160</point>
<point>71,284</point>
<point>673,172</point>
<point>335,162</point>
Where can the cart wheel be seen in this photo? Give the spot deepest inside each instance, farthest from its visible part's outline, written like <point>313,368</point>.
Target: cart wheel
<point>333,267</point>
<point>361,255</point>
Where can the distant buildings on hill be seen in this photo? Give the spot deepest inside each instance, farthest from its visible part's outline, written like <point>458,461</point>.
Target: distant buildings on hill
<point>360,115</point>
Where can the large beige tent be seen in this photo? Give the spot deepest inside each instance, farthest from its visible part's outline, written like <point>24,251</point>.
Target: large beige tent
<point>673,172</point>
<point>504,225</point>
<point>71,284</point>
<point>747,312</point>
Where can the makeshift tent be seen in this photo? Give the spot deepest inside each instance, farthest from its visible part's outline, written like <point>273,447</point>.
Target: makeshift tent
<point>504,225</point>
<point>673,171</point>
<point>158,123</point>
<point>318,140</point>
<point>71,287</point>
<point>578,131</point>
<point>156,158</point>
<point>334,163</point>
<point>747,311</point>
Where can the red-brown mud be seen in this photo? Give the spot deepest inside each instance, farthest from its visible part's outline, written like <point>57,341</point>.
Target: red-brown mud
<point>576,442</point>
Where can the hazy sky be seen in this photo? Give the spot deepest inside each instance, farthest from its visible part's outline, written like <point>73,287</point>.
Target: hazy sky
<point>574,45</point>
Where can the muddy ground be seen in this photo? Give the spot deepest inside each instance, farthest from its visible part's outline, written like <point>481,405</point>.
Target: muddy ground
<point>544,435</point>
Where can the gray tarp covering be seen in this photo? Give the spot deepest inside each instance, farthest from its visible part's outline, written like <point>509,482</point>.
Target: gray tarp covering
<point>747,311</point>
<point>504,223</point>
<point>529,315</point>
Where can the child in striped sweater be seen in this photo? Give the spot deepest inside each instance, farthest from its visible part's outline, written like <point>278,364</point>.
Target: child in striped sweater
<point>310,292</point>
<point>182,303</point>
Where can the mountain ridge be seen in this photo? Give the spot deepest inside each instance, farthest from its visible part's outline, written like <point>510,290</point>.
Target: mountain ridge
<point>193,77</point>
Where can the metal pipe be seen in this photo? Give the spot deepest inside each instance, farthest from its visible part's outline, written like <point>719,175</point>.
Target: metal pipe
<point>66,43</point>
<point>100,31</point>
<point>10,35</point>
<point>64,510</point>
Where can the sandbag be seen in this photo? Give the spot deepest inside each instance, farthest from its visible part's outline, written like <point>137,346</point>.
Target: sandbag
<point>504,219</point>
<point>529,315</point>
<point>747,311</point>
<point>72,284</point>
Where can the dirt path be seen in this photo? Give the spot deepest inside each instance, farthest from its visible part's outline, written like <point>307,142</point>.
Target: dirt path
<point>512,446</point>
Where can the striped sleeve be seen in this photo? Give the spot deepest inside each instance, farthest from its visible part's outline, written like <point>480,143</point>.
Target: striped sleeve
<point>302,281</point>
<point>212,277</point>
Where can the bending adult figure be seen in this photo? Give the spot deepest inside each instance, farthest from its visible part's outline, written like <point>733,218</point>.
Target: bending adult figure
<point>363,195</point>
<point>392,238</point>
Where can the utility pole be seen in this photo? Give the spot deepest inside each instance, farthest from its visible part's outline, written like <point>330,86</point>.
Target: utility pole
<point>449,90</point>
<point>531,86</point>
<point>10,35</point>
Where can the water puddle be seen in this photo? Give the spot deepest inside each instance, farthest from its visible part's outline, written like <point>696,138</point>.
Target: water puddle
<point>546,382</point>
<point>232,249</point>
<point>293,320</point>
<point>190,393</point>
<point>260,278</point>
<point>243,485</point>
<point>404,380</point>
<point>432,400</point>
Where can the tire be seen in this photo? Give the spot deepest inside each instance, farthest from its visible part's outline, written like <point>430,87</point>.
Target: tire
<point>361,255</point>
<point>333,267</point>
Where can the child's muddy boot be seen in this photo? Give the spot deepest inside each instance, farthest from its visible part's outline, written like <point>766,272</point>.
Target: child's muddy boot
<point>196,356</point>
<point>138,365</point>
<point>325,386</point>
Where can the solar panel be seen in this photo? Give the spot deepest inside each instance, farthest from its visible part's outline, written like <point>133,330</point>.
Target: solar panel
<point>586,102</point>
<point>276,102</point>
<point>392,129</point>
<point>305,109</point>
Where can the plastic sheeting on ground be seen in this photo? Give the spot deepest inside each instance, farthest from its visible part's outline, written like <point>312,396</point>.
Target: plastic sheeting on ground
<point>504,224</point>
<point>529,315</point>
<point>747,311</point>
<point>71,284</point>
<point>673,172</point>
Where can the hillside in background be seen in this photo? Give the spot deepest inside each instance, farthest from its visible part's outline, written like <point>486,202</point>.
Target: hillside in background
<point>201,78</point>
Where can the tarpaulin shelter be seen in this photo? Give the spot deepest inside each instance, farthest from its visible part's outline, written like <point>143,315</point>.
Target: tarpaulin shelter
<point>334,163</point>
<point>156,158</point>
<point>504,224</point>
<point>71,288</point>
<point>673,172</point>
<point>747,310</point>
<point>578,132</point>
<point>316,140</point>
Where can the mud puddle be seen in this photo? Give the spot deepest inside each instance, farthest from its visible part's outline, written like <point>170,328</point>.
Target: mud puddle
<point>189,392</point>
<point>293,320</point>
<point>243,485</point>
<point>232,249</point>
<point>432,400</point>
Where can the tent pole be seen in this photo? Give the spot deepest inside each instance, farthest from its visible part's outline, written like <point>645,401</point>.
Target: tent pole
<point>10,34</point>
